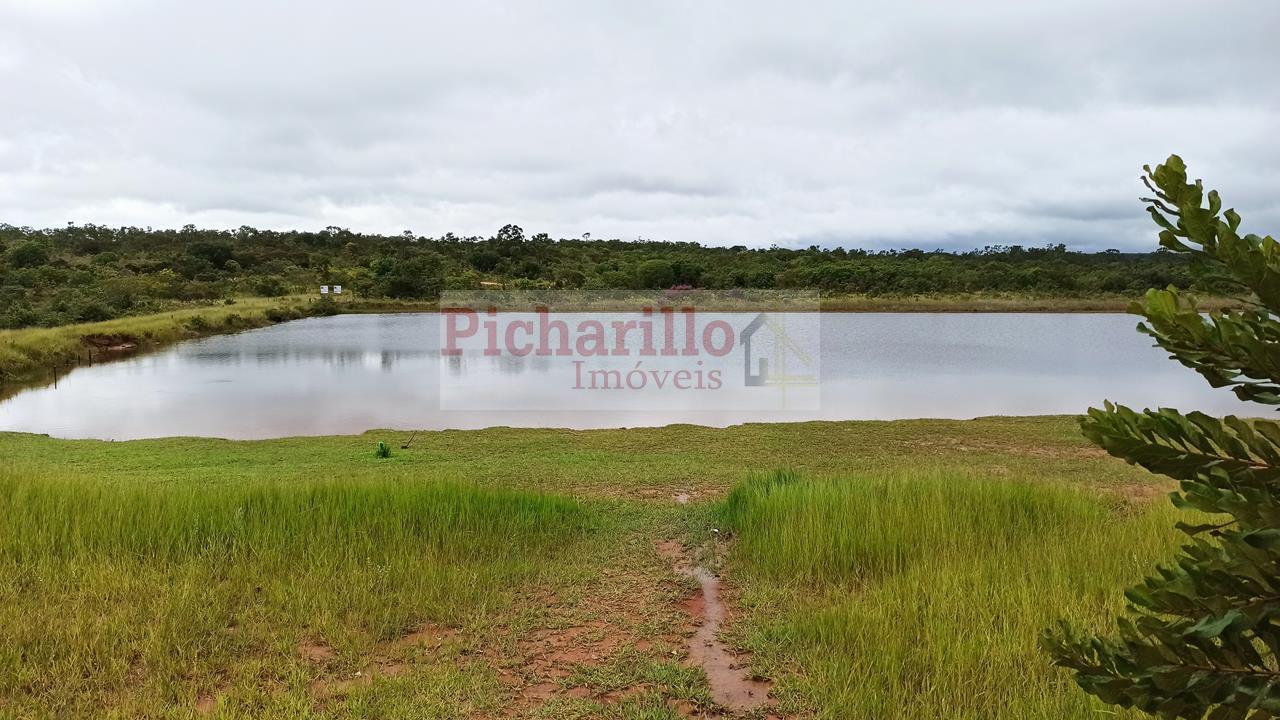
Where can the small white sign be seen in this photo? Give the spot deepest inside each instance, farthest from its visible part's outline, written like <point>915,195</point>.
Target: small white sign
<point>324,289</point>
<point>337,289</point>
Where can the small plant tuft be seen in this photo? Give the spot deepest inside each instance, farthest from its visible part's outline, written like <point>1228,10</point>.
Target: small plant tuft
<point>383,450</point>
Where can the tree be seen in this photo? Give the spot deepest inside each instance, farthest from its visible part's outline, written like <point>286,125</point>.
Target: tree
<point>418,277</point>
<point>271,287</point>
<point>571,277</point>
<point>1201,636</point>
<point>510,235</point>
<point>485,260</point>
<point>28,255</point>
<point>655,273</point>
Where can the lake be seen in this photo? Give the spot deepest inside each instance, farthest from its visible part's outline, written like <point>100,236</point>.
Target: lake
<point>350,373</point>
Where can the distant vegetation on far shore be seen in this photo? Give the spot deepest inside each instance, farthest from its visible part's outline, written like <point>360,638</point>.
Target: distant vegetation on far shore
<point>91,273</point>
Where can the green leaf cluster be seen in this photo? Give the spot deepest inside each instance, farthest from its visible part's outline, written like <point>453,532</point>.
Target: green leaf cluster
<point>1201,635</point>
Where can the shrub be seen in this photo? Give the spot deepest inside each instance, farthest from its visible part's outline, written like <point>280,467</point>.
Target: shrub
<point>271,287</point>
<point>282,314</point>
<point>323,307</point>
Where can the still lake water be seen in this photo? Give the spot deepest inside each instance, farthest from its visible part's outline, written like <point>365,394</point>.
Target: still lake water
<point>351,373</point>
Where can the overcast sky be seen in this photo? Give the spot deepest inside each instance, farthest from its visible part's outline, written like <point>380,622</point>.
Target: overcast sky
<point>947,124</point>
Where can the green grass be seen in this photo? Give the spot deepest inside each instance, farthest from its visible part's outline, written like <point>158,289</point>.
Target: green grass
<point>164,593</point>
<point>923,594</point>
<point>913,567</point>
<point>638,463</point>
<point>1014,302</point>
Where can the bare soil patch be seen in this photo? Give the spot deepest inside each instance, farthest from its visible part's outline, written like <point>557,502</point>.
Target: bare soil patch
<point>388,660</point>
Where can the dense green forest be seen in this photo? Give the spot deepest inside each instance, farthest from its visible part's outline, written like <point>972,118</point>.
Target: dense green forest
<point>90,272</point>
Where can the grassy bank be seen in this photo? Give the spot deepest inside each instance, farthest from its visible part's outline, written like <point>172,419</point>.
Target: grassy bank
<point>922,595</point>
<point>989,302</point>
<point>757,300</point>
<point>34,351</point>
<point>527,573</point>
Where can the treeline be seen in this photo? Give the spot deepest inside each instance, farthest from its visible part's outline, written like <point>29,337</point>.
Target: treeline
<point>90,272</point>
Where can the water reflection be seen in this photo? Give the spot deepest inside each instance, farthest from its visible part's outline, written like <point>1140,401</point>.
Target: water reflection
<point>350,373</point>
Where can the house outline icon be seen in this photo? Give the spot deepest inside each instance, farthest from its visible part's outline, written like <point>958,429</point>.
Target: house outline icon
<point>761,378</point>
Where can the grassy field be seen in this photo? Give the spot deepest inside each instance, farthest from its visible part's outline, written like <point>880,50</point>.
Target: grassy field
<point>169,592</point>
<point>926,590</point>
<point>903,569</point>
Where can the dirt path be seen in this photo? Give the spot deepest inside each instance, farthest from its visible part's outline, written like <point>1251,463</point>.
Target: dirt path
<point>641,638</point>
<point>732,686</point>
<point>628,628</point>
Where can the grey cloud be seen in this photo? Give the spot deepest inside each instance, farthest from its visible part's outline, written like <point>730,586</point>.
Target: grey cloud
<point>933,124</point>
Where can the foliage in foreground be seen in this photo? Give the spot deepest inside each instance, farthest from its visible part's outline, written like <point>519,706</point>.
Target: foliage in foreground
<point>921,594</point>
<point>1201,636</point>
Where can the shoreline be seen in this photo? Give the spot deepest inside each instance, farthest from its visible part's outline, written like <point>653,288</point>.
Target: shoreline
<point>32,355</point>
<point>422,435</point>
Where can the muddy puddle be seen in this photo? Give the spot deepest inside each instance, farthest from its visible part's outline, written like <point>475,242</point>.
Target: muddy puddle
<point>732,686</point>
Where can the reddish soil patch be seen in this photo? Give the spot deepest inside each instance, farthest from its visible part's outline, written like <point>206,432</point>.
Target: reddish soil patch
<point>430,635</point>
<point>562,648</point>
<point>673,552</point>
<point>541,691</point>
<point>618,617</point>
<point>318,653</point>
<point>696,607</point>
<point>386,662</point>
<point>552,654</point>
<point>625,693</point>
<point>335,687</point>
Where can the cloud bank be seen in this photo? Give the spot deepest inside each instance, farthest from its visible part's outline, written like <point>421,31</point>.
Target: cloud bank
<point>931,124</point>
